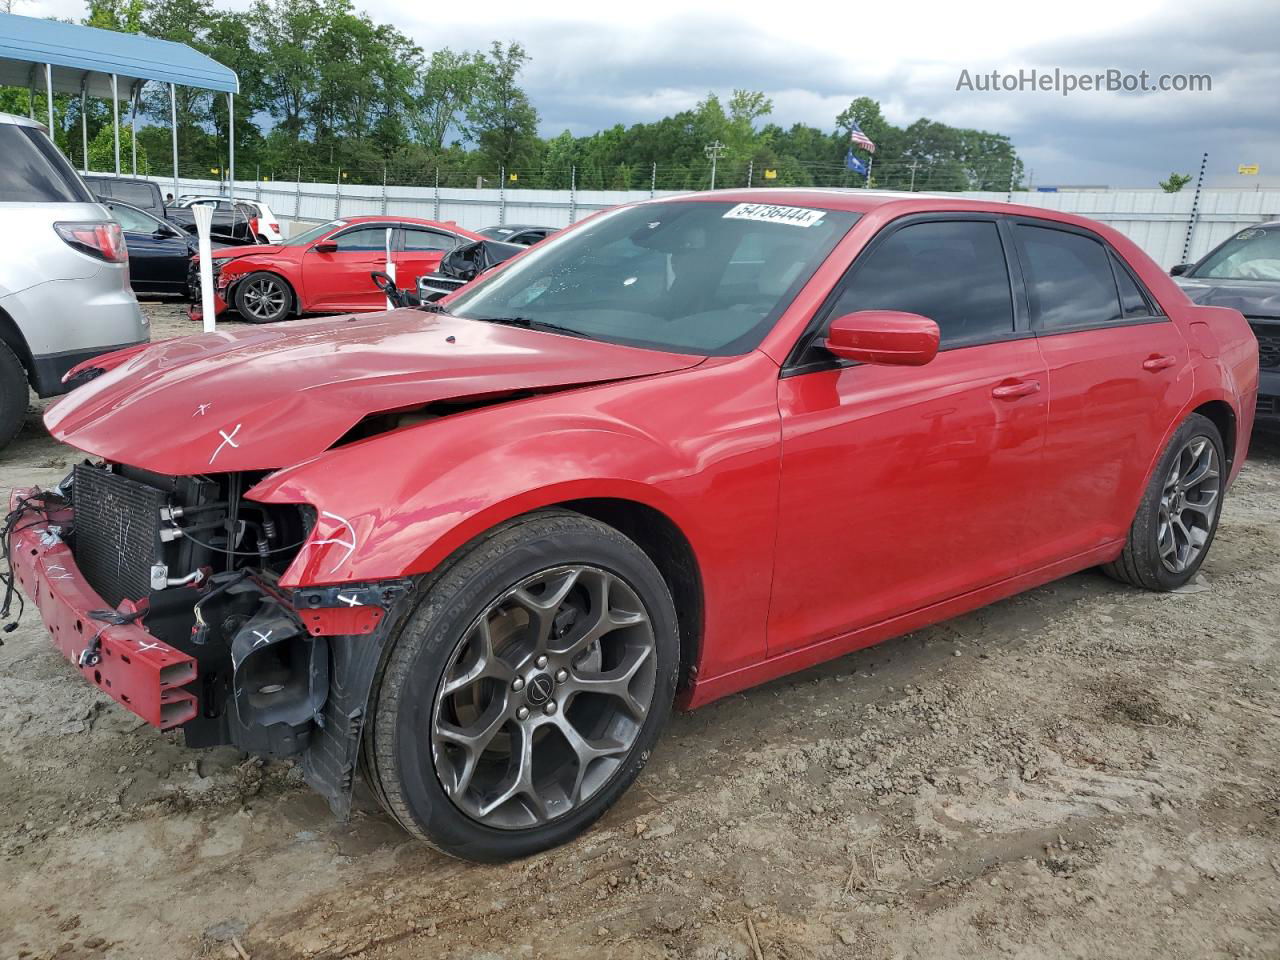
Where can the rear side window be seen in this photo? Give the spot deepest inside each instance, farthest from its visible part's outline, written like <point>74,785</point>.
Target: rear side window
<point>416,241</point>
<point>953,272</point>
<point>33,171</point>
<point>1132,301</point>
<point>135,193</point>
<point>1070,282</point>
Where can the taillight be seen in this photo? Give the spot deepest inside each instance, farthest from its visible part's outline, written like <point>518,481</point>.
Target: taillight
<point>101,239</point>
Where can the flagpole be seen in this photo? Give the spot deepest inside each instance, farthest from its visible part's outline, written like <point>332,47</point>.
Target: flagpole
<point>870,158</point>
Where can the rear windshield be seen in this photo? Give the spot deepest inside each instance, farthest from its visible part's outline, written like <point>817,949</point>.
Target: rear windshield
<point>33,171</point>
<point>1252,254</point>
<point>138,194</point>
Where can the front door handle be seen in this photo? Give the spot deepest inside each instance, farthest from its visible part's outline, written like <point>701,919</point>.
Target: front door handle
<point>1012,391</point>
<point>1158,362</point>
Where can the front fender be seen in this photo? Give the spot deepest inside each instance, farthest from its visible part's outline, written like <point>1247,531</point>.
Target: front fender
<point>397,505</point>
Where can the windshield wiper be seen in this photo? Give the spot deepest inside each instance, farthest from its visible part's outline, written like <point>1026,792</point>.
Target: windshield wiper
<point>530,324</point>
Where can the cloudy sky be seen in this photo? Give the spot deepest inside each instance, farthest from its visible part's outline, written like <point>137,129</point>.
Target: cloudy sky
<point>595,64</point>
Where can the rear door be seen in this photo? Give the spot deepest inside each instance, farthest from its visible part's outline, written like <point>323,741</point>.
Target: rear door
<point>419,252</point>
<point>1118,372</point>
<point>340,280</point>
<point>905,486</point>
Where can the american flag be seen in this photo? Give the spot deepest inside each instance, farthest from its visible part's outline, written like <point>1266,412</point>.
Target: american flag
<point>859,138</point>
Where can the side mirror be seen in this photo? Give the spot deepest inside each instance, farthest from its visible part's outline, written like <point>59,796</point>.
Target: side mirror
<point>884,336</point>
<point>326,246</point>
<point>1180,269</point>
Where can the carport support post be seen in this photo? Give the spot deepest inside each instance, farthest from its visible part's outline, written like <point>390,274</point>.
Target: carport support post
<point>48,89</point>
<point>173,130</point>
<point>231,143</point>
<point>134,124</point>
<point>84,122</point>
<point>115,118</point>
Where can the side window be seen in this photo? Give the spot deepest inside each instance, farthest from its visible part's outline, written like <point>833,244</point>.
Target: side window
<point>417,241</point>
<point>952,272</point>
<point>1069,279</point>
<point>131,221</point>
<point>134,193</point>
<point>1132,302</point>
<point>363,240</point>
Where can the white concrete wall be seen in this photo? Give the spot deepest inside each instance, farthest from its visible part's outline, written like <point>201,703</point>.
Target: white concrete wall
<point>1155,220</point>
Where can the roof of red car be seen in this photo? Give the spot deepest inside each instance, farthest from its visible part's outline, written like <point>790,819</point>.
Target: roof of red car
<point>858,200</point>
<point>378,217</point>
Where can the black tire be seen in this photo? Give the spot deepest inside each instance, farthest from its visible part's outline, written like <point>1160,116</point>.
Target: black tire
<point>398,757</point>
<point>264,297</point>
<point>13,395</point>
<point>1139,563</point>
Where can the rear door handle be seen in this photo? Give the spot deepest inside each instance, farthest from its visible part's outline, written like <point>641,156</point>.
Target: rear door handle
<point>1158,362</point>
<point>1012,391</point>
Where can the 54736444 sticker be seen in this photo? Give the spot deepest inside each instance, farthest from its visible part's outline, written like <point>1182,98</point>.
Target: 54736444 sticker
<point>772,213</point>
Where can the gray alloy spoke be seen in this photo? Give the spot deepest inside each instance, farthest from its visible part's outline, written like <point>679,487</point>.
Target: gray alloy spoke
<point>616,683</point>
<point>1188,505</point>
<point>543,608</point>
<point>543,697</point>
<point>487,665</point>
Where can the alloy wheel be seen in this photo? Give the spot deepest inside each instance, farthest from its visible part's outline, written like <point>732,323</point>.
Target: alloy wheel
<point>543,699</point>
<point>264,298</point>
<point>1188,505</point>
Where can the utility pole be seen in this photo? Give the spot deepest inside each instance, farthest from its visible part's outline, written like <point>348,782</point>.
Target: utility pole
<point>714,151</point>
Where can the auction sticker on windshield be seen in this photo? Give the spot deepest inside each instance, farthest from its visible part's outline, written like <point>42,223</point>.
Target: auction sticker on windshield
<point>770,213</point>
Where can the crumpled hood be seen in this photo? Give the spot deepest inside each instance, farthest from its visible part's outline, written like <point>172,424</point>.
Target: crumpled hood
<point>1253,298</point>
<point>255,398</point>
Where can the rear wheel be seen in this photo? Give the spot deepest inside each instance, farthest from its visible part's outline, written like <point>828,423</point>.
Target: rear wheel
<point>524,693</point>
<point>263,298</point>
<point>1178,517</point>
<point>13,395</point>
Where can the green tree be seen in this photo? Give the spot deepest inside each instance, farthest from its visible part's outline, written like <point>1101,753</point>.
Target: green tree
<point>1175,183</point>
<point>500,118</point>
<point>102,156</point>
<point>448,86</point>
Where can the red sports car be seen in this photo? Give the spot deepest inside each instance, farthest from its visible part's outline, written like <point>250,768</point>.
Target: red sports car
<point>326,269</point>
<point>680,449</point>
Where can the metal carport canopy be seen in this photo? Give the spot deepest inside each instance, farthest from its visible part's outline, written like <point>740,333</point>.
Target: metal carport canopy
<point>72,51</point>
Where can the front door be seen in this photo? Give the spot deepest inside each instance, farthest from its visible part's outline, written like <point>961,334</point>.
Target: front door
<point>340,279</point>
<point>905,486</point>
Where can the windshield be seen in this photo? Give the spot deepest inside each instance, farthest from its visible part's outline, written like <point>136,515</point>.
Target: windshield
<point>1252,254</point>
<point>687,276</point>
<point>315,233</point>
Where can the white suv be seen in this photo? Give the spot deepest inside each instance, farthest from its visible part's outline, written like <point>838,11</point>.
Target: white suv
<point>265,226</point>
<point>64,273</point>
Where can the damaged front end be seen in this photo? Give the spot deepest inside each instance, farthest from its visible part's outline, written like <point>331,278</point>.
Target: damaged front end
<point>165,592</point>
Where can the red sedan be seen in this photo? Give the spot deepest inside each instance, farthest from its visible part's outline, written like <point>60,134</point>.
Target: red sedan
<point>326,269</point>
<point>683,448</point>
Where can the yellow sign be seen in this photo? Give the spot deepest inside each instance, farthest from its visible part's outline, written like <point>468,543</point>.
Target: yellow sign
<point>1249,169</point>
<point>771,174</point>
<point>266,179</point>
<point>513,177</point>
<point>214,170</point>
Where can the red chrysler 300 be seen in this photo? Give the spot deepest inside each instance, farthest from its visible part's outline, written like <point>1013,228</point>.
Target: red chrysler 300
<point>327,268</point>
<point>477,551</point>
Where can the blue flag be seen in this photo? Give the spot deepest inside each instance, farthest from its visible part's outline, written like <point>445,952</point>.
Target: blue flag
<point>854,164</point>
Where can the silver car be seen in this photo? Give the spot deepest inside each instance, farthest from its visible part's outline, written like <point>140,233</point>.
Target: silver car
<point>64,273</point>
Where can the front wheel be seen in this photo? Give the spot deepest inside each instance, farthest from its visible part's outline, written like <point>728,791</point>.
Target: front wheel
<point>526,690</point>
<point>263,298</point>
<point>1178,517</point>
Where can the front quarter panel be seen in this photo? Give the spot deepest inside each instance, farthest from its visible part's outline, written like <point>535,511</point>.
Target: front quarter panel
<point>700,446</point>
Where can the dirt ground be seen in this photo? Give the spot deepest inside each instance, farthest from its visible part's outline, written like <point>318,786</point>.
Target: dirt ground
<point>1086,770</point>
